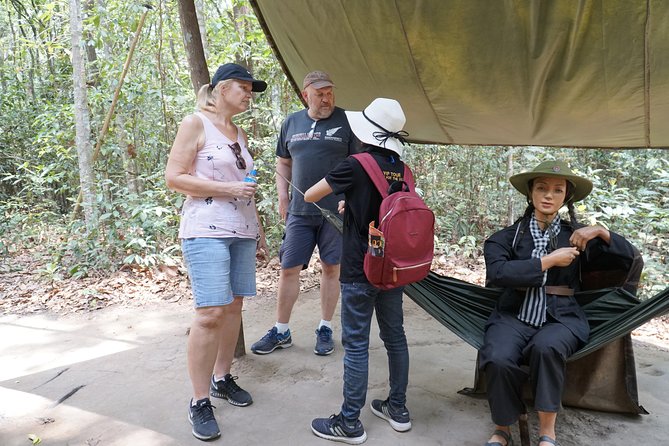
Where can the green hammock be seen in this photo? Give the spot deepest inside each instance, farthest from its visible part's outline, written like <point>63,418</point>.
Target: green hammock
<point>464,308</point>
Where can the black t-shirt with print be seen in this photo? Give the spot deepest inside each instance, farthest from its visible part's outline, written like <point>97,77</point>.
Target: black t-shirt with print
<point>315,147</point>
<point>362,206</point>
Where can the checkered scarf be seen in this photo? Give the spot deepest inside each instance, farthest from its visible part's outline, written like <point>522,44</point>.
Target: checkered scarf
<point>533,311</point>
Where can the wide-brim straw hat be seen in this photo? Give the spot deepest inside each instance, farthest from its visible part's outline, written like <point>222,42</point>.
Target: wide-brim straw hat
<point>553,169</point>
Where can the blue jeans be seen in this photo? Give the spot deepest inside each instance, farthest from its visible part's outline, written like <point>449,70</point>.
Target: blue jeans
<point>358,302</point>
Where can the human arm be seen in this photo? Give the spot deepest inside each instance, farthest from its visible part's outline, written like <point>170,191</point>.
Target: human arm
<point>189,139</point>
<point>284,172</point>
<point>503,269</point>
<point>317,191</point>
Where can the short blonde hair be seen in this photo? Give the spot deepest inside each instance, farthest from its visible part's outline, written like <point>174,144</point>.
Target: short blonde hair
<point>206,96</point>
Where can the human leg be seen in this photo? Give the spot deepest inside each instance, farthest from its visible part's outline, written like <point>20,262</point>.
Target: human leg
<point>296,249</point>
<point>356,316</point>
<point>223,384</point>
<point>329,247</point>
<point>547,427</point>
<point>203,340</point>
<point>329,290</point>
<point>329,298</point>
<point>295,252</point>
<point>500,358</point>
<point>208,263</point>
<point>288,291</point>
<point>547,355</point>
<point>390,317</point>
<point>217,312</point>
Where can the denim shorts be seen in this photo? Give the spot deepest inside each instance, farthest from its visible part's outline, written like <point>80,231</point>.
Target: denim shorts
<point>303,233</point>
<point>220,268</point>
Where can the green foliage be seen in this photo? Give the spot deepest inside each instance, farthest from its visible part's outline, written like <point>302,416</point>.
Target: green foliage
<point>466,186</point>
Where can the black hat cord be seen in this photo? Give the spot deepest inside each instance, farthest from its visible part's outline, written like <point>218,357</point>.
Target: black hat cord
<point>383,136</point>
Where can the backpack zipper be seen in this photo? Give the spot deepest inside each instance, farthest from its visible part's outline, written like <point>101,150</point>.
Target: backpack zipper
<point>395,269</point>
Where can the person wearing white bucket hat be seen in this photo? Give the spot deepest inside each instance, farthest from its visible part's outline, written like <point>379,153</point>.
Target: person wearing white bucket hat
<point>380,124</point>
<point>380,128</point>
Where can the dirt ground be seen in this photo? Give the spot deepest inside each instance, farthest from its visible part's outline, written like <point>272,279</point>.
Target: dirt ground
<point>120,373</point>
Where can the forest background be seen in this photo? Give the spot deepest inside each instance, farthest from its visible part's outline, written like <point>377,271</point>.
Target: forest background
<point>130,219</point>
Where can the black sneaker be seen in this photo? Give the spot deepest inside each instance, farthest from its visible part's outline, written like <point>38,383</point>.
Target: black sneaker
<point>335,429</point>
<point>398,419</point>
<point>271,341</point>
<point>324,342</point>
<point>228,389</point>
<point>201,416</point>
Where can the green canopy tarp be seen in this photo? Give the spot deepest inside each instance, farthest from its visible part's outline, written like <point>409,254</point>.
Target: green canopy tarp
<point>570,73</point>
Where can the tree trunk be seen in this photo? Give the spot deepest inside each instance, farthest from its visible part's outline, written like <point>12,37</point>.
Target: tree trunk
<point>201,20</point>
<point>199,73</point>
<point>91,54</point>
<point>128,154</point>
<point>509,172</point>
<point>82,120</point>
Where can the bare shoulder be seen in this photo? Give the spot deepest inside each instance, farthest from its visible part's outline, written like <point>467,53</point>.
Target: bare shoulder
<point>192,122</point>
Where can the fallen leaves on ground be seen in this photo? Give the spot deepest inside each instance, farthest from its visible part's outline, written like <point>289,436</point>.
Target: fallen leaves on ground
<point>25,289</point>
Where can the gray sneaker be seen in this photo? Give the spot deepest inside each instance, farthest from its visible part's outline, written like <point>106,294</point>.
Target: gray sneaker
<point>201,416</point>
<point>324,342</point>
<point>228,389</point>
<point>271,341</point>
<point>334,428</point>
<point>398,419</point>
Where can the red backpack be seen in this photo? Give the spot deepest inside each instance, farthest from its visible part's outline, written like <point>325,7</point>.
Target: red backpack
<point>403,253</point>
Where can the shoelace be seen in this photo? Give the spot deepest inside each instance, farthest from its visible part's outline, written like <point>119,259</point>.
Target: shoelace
<point>204,412</point>
<point>271,334</point>
<point>230,384</point>
<point>323,335</point>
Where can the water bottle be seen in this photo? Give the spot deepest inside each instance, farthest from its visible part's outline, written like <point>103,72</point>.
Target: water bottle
<point>251,176</point>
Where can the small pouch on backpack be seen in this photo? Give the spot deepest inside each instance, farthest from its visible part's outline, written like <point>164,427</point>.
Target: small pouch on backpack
<point>376,241</point>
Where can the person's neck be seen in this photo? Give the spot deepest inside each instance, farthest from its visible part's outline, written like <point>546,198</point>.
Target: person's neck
<point>544,220</point>
<point>223,117</point>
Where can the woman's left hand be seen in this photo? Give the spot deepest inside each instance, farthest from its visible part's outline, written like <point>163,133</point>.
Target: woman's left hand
<point>582,236</point>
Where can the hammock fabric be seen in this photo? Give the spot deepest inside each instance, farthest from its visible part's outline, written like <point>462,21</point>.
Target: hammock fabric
<point>613,313</point>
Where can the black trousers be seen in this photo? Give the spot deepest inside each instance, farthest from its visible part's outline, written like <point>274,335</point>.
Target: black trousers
<point>508,345</point>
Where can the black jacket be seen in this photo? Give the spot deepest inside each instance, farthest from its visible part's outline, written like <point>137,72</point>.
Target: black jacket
<point>515,268</point>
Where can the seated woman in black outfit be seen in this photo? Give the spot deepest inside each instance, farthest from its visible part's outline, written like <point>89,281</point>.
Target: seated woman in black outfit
<point>537,321</point>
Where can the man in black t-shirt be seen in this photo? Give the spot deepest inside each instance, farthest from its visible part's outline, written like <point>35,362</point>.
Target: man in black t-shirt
<point>312,141</point>
<point>379,127</point>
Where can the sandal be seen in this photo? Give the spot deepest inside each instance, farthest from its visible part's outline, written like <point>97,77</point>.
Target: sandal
<point>505,436</point>
<point>548,439</point>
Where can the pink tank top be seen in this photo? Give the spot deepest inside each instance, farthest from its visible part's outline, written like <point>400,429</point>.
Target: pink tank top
<point>218,216</point>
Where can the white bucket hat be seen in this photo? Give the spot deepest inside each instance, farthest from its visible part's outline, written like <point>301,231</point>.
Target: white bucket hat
<point>380,124</point>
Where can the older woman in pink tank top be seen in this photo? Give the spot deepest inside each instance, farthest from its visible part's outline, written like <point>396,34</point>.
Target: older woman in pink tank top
<point>219,232</point>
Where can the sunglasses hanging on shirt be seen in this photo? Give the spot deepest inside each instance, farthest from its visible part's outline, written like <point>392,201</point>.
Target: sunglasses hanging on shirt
<point>237,150</point>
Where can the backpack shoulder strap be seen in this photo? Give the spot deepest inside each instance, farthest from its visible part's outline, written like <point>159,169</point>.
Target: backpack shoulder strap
<point>374,172</point>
